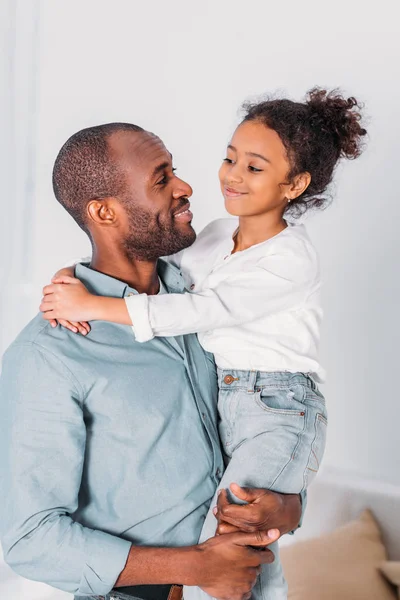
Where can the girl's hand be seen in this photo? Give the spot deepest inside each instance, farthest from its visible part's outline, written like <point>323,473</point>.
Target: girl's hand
<point>64,272</point>
<point>67,299</point>
<point>81,327</point>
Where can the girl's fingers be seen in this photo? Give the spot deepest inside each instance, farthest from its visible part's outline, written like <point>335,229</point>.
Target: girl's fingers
<point>68,325</point>
<point>49,289</point>
<point>46,306</point>
<point>83,327</point>
<point>48,315</point>
<point>64,279</point>
<point>86,326</point>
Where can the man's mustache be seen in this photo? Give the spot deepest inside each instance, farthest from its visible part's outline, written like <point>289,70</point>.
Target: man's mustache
<point>182,202</point>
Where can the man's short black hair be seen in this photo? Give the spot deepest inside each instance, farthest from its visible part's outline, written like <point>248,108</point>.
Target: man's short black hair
<point>85,170</point>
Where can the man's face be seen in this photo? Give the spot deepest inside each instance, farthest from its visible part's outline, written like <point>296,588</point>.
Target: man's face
<point>158,219</point>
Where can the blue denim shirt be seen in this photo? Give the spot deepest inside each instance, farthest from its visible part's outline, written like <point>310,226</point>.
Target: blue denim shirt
<point>104,442</point>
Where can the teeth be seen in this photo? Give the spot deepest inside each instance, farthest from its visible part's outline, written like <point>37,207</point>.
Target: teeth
<point>182,213</point>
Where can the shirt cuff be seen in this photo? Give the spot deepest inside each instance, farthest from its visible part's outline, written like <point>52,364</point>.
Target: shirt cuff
<point>138,309</point>
<point>107,556</point>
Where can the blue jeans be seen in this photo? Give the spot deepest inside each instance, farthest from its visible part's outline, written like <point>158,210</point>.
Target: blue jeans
<point>273,431</point>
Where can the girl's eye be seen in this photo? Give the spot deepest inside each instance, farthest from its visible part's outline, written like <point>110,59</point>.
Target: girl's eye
<point>228,160</point>
<point>254,169</point>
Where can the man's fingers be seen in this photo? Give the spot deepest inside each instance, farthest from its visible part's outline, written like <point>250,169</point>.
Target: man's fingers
<point>238,515</point>
<point>258,538</point>
<point>241,515</point>
<point>266,556</point>
<point>224,528</point>
<point>246,493</point>
<point>222,500</point>
<point>240,524</point>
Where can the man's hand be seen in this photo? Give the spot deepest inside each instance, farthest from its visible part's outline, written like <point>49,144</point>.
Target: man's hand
<point>225,567</point>
<point>228,565</point>
<point>264,510</point>
<point>68,299</point>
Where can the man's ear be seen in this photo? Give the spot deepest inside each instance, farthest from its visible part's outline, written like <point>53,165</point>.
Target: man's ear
<point>299,185</point>
<point>102,212</point>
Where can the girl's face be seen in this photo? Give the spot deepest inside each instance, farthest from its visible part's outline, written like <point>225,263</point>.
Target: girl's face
<point>253,176</point>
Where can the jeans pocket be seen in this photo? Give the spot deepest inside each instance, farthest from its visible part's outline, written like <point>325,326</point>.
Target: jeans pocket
<point>317,447</point>
<point>287,400</point>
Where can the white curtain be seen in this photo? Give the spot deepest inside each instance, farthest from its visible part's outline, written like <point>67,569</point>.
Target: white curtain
<point>19,25</point>
<point>19,22</point>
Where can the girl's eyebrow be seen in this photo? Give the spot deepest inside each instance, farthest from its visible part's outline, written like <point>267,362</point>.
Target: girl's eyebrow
<point>250,154</point>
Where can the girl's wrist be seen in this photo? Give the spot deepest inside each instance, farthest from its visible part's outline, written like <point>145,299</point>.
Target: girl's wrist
<point>96,308</point>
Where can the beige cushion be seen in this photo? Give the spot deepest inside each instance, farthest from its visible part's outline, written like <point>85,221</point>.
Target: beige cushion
<point>342,565</point>
<point>391,570</point>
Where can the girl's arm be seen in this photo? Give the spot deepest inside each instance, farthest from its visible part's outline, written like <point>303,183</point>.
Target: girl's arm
<point>67,299</point>
<point>275,283</point>
<point>75,326</point>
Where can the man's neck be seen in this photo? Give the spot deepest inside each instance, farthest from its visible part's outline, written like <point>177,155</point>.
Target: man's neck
<point>139,275</point>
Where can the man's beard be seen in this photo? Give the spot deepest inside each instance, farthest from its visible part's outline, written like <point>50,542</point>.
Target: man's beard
<point>149,239</point>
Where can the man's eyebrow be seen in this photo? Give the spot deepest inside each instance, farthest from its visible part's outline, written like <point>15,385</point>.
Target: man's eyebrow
<point>251,154</point>
<point>161,167</point>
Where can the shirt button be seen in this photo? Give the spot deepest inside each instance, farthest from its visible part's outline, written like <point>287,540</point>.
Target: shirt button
<point>218,473</point>
<point>130,294</point>
<point>192,286</point>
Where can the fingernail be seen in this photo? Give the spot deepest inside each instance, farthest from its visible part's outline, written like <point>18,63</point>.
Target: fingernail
<point>215,510</point>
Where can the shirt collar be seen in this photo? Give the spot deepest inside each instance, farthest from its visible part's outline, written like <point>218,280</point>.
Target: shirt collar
<point>104,285</point>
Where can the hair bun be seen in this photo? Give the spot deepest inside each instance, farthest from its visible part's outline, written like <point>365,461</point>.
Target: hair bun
<point>337,116</point>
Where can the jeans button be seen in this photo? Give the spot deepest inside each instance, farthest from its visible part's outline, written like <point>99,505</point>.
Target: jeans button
<point>228,379</point>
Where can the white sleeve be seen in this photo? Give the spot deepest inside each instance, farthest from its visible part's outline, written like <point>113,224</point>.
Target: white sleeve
<point>277,282</point>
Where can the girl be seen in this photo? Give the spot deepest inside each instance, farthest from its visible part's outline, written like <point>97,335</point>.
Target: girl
<point>255,299</point>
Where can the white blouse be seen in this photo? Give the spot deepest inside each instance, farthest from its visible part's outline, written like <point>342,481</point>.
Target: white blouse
<point>258,309</point>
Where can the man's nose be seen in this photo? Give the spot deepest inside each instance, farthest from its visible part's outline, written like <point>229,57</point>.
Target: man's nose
<point>182,189</point>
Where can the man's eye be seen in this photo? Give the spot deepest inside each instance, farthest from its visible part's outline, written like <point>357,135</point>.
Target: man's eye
<point>165,178</point>
<point>254,169</point>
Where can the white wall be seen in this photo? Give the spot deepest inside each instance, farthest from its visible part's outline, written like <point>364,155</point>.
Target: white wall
<point>181,69</point>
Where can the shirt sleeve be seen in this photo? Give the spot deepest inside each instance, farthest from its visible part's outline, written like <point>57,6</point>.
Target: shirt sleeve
<point>42,449</point>
<point>276,283</point>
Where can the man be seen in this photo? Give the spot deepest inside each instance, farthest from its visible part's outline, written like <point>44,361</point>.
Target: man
<point>110,451</point>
